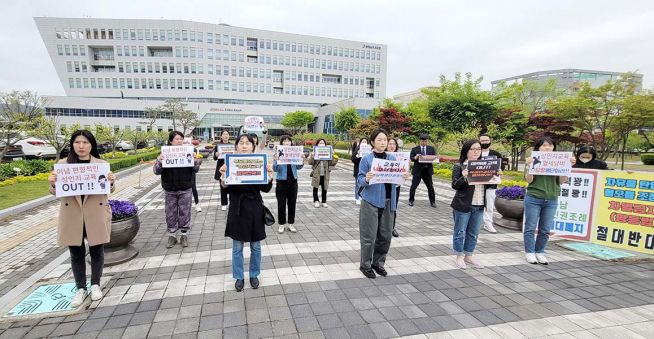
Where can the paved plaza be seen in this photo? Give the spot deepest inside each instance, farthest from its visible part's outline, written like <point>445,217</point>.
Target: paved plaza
<point>311,286</point>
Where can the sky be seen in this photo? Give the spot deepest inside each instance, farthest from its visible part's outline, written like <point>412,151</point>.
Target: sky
<point>494,39</point>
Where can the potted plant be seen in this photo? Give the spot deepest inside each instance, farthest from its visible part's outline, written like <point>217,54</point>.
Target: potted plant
<point>125,225</point>
<point>509,202</point>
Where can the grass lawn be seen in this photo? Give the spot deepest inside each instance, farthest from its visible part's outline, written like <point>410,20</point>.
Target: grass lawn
<point>13,195</point>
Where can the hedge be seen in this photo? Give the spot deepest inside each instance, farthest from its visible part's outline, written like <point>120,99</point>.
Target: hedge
<point>21,178</point>
<point>132,160</point>
<point>27,168</point>
<point>647,159</point>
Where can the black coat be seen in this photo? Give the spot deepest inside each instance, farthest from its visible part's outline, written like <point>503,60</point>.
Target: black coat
<point>419,167</point>
<point>462,200</point>
<point>355,160</point>
<point>245,218</point>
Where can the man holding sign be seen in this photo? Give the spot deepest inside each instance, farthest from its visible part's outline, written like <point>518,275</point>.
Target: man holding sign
<point>422,170</point>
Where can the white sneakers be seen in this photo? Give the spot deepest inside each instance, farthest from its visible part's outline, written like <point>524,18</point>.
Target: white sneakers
<point>78,299</point>
<point>198,208</point>
<point>316,204</point>
<point>358,201</point>
<point>531,258</point>
<point>490,228</point>
<point>291,228</point>
<point>324,204</point>
<point>460,262</point>
<point>96,293</point>
<point>224,208</point>
<point>281,228</point>
<point>542,259</point>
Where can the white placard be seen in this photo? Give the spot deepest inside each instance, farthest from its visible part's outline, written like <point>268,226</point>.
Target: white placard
<point>364,149</point>
<point>225,149</point>
<point>322,153</point>
<point>246,169</point>
<point>82,179</point>
<point>388,171</point>
<point>253,123</point>
<point>290,155</point>
<point>550,163</point>
<point>177,156</point>
<point>428,159</point>
<point>401,156</point>
<point>575,205</point>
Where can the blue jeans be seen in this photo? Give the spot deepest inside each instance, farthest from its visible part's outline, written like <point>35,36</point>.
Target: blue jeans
<point>466,230</point>
<point>356,189</point>
<point>538,213</point>
<point>237,259</point>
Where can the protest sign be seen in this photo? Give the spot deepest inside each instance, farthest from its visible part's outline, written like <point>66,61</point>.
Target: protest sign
<point>253,123</point>
<point>428,159</point>
<point>177,156</point>
<point>574,215</point>
<point>225,149</point>
<point>624,211</point>
<point>246,169</point>
<point>482,172</point>
<point>290,155</point>
<point>401,156</point>
<point>388,171</point>
<point>322,153</point>
<point>364,149</point>
<point>82,179</point>
<point>187,141</point>
<point>550,163</point>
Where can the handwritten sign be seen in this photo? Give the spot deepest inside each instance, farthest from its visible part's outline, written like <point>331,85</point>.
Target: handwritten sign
<point>364,149</point>
<point>428,159</point>
<point>177,156</point>
<point>388,171</point>
<point>322,153</point>
<point>290,155</point>
<point>82,179</point>
<point>225,149</point>
<point>246,169</point>
<point>550,163</point>
<point>484,171</point>
<point>401,156</point>
<point>574,215</point>
<point>253,123</point>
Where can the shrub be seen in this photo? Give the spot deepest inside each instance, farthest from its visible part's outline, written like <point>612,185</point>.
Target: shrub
<point>514,183</point>
<point>647,159</point>
<point>342,155</point>
<point>26,168</point>
<point>443,165</point>
<point>21,178</point>
<point>443,172</point>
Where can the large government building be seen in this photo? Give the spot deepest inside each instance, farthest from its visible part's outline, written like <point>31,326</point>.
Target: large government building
<point>112,70</point>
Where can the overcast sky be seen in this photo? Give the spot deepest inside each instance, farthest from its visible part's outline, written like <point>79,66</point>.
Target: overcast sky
<point>495,39</point>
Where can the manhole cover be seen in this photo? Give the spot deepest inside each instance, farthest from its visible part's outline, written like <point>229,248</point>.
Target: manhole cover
<point>597,251</point>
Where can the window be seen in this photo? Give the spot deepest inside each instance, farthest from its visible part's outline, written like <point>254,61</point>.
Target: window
<point>71,83</point>
<point>60,50</point>
<point>69,66</point>
<point>209,38</point>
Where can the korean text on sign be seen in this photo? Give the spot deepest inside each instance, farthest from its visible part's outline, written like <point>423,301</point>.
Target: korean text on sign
<point>550,163</point>
<point>82,179</point>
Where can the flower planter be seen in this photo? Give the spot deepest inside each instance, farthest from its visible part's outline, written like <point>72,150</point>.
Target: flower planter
<point>512,212</point>
<point>119,250</point>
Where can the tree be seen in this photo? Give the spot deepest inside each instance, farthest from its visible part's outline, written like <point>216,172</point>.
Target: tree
<point>50,130</point>
<point>418,111</point>
<point>511,127</point>
<point>346,119</point>
<point>188,120</point>
<point>394,122</point>
<point>364,128</point>
<point>136,137</point>
<point>547,124</point>
<point>106,133</point>
<point>460,104</point>
<point>386,103</point>
<point>297,120</point>
<point>638,113</point>
<point>151,115</point>
<point>172,107</point>
<point>20,114</point>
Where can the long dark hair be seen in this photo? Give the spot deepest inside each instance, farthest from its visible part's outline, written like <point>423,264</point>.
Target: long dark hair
<point>284,138</point>
<point>397,145</point>
<point>466,147</point>
<point>72,156</point>
<point>542,140</point>
<point>249,137</point>
<point>172,135</point>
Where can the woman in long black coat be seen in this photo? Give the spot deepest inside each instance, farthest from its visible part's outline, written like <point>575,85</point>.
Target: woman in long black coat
<point>224,140</point>
<point>246,219</point>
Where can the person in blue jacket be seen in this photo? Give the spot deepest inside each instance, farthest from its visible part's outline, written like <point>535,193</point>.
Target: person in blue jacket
<point>286,189</point>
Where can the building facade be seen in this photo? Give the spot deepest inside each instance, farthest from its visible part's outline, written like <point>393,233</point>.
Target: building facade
<point>570,79</point>
<point>118,67</point>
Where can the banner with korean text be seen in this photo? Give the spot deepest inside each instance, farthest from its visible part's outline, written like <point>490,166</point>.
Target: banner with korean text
<point>290,155</point>
<point>388,171</point>
<point>82,179</point>
<point>574,216</point>
<point>550,163</point>
<point>246,169</point>
<point>177,156</point>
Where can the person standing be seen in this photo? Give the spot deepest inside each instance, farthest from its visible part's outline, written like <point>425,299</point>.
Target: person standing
<point>286,189</point>
<point>394,147</point>
<point>224,141</point>
<point>246,218</point>
<point>178,185</point>
<point>485,141</point>
<point>84,216</point>
<point>422,171</point>
<point>587,158</point>
<point>356,159</point>
<point>320,170</point>
<point>541,202</point>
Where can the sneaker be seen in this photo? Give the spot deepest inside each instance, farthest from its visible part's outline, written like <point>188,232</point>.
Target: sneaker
<point>280,230</point>
<point>198,208</point>
<point>240,283</point>
<point>531,258</point>
<point>316,204</point>
<point>172,240</point>
<point>183,239</point>
<point>460,262</point>
<point>254,282</point>
<point>96,292</point>
<point>223,208</point>
<point>368,272</point>
<point>490,228</point>
<point>358,201</point>
<point>324,204</point>
<point>542,259</point>
<point>78,299</point>
<point>292,228</point>
<point>410,203</point>
<point>472,263</point>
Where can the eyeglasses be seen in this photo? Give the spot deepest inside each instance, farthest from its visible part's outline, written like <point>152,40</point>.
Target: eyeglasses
<point>475,149</point>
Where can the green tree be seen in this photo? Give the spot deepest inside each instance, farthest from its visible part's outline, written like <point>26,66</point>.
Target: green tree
<point>188,120</point>
<point>151,115</point>
<point>173,107</point>
<point>460,104</point>
<point>346,119</point>
<point>364,128</point>
<point>106,133</point>
<point>136,136</point>
<point>20,114</point>
<point>297,120</point>
<point>638,113</point>
<point>50,129</point>
<point>418,111</point>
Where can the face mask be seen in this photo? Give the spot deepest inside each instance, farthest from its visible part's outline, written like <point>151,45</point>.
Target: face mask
<point>584,160</point>
<point>485,146</point>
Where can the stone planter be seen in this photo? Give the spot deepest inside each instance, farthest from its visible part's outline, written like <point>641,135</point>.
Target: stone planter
<point>512,213</point>
<point>118,250</point>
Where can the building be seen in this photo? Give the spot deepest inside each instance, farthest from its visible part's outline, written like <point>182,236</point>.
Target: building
<point>406,97</point>
<point>570,79</point>
<point>113,69</point>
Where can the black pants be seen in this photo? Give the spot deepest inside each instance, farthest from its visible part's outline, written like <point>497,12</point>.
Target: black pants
<point>195,191</point>
<point>426,177</point>
<point>77,255</point>
<point>286,193</point>
<point>324,191</point>
<point>397,199</point>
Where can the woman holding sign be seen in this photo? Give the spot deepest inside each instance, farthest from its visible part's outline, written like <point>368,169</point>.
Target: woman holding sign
<point>356,159</point>
<point>320,175</point>
<point>224,140</point>
<point>393,147</point>
<point>84,216</point>
<point>286,189</point>
<point>541,202</point>
<point>377,209</point>
<point>177,182</point>
<point>245,218</point>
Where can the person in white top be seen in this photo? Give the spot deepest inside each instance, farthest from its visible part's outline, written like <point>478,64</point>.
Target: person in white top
<point>485,142</point>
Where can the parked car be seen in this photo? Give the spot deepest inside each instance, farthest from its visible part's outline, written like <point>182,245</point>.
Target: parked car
<point>104,147</point>
<point>124,145</point>
<point>15,152</point>
<point>37,149</point>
